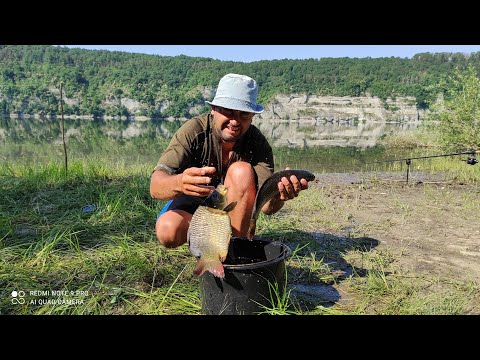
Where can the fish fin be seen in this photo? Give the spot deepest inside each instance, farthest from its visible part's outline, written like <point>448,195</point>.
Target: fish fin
<point>216,211</point>
<point>230,206</point>
<point>251,229</point>
<point>212,265</point>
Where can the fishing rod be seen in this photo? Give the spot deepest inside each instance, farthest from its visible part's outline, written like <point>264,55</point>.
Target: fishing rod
<point>470,160</point>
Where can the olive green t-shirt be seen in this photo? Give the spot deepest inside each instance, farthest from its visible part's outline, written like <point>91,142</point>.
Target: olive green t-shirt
<point>195,144</point>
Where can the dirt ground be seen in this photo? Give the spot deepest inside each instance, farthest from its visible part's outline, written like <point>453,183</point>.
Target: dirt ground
<point>432,225</point>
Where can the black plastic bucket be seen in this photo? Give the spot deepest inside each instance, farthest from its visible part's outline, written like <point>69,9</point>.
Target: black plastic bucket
<point>254,274</point>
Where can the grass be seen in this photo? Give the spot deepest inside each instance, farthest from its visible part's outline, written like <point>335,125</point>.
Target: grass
<point>48,243</point>
<point>279,299</point>
<point>386,290</point>
<point>415,139</point>
<point>109,261</point>
<point>380,283</point>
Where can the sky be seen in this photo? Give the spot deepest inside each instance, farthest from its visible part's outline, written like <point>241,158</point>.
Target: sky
<point>249,53</point>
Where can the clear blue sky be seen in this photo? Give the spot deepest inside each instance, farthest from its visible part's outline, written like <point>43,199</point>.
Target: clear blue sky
<point>248,53</point>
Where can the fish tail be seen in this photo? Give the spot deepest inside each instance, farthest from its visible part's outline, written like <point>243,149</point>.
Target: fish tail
<point>212,265</point>
<point>251,229</point>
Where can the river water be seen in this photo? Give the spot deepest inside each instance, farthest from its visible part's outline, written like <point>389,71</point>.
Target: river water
<point>317,146</point>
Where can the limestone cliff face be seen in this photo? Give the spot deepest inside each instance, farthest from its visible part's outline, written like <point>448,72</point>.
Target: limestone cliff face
<point>332,108</point>
<point>302,121</point>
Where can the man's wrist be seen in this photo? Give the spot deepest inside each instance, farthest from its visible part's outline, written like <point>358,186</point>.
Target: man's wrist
<point>178,188</point>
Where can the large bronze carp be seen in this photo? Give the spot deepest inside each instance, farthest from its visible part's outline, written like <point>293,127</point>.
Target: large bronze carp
<point>209,233</point>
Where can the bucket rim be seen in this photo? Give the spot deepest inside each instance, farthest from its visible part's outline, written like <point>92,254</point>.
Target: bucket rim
<point>284,254</point>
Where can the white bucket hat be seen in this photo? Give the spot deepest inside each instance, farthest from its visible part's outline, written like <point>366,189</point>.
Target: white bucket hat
<point>237,92</point>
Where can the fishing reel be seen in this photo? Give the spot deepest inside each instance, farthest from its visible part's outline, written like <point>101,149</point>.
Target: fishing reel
<point>472,161</point>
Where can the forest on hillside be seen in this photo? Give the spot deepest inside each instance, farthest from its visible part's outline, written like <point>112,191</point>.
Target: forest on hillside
<point>99,82</point>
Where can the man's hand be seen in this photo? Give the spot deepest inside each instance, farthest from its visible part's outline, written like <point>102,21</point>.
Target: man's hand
<point>194,182</point>
<point>290,188</point>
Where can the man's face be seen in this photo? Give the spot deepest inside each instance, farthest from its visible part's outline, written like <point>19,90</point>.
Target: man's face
<point>231,124</point>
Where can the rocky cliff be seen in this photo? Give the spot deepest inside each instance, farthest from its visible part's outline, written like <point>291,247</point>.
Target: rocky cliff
<point>324,109</point>
<point>302,120</point>
<point>319,109</point>
<point>332,108</point>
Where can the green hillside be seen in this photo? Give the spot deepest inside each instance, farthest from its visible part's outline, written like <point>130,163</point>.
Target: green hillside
<point>98,82</point>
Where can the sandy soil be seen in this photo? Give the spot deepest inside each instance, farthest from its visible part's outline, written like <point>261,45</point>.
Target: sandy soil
<point>433,222</point>
<point>430,225</point>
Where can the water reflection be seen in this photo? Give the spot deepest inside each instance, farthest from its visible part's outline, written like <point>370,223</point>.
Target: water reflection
<point>33,141</point>
<point>46,129</point>
<point>313,133</point>
<point>291,133</point>
<point>319,147</point>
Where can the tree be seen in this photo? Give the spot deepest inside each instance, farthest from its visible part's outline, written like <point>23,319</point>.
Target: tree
<point>458,115</point>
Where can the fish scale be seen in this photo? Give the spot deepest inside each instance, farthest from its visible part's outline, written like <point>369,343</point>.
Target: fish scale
<point>209,233</point>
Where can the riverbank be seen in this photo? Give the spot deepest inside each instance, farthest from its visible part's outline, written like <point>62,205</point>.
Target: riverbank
<point>374,245</point>
<point>395,248</point>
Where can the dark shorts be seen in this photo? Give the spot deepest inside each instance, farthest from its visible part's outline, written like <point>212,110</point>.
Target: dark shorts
<point>183,202</point>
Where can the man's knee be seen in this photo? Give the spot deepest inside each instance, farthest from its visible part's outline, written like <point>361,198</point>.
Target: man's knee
<point>165,233</point>
<point>170,231</point>
<point>241,174</point>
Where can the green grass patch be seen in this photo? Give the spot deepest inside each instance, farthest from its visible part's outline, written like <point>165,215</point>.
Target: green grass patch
<point>108,261</point>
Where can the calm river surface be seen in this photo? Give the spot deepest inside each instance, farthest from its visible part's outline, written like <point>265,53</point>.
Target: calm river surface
<point>319,147</point>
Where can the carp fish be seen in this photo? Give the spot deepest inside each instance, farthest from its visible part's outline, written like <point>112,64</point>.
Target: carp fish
<point>269,189</point>
<point>209,233</point>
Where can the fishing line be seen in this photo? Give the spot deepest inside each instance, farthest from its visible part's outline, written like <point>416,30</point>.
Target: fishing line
<point>408,161</point>
<point>208,196</point>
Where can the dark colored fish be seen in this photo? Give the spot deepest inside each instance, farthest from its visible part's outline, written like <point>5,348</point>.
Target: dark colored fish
<point>269,189</point>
